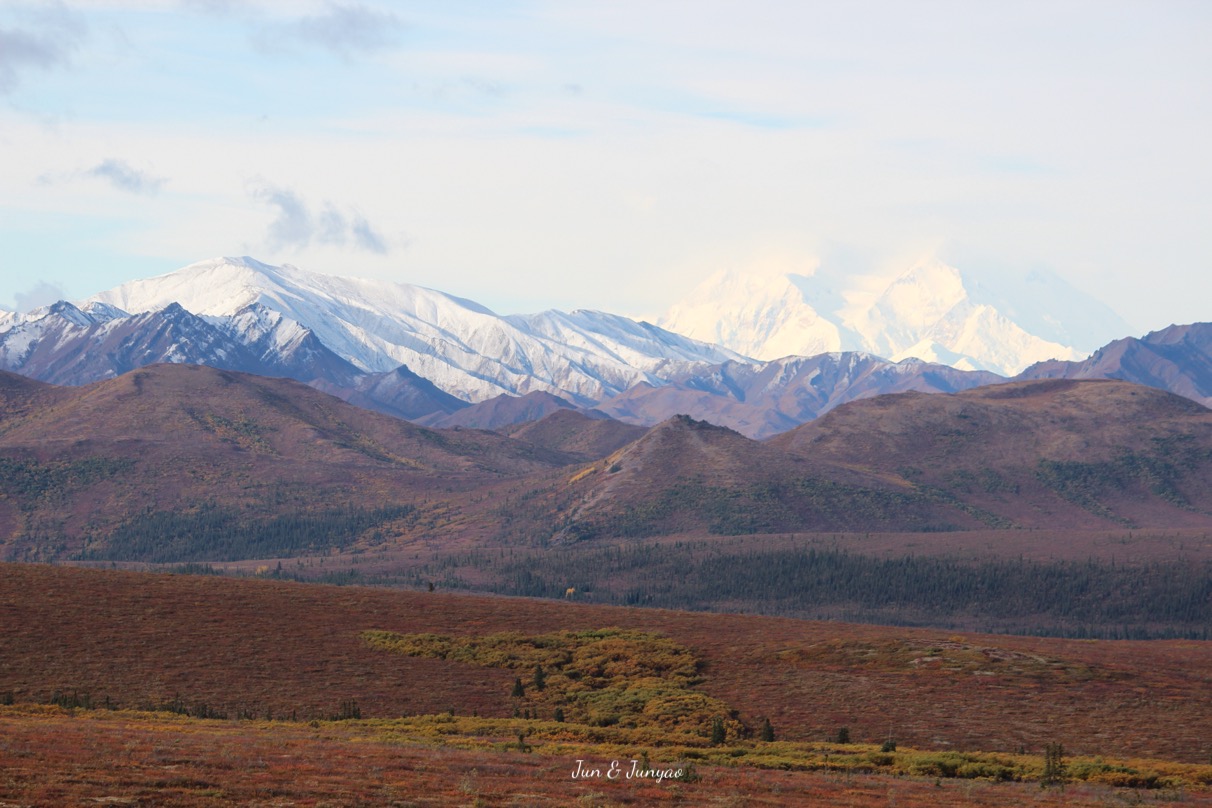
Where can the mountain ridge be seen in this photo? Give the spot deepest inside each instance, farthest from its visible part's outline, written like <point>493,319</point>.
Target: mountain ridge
<point>465,361</point>
<point>1176,358</point>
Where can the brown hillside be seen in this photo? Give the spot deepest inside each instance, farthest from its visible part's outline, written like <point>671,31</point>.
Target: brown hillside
<point>1056,453</point>
<point>286,648</point>
<point>574,433</point>
<point>1051,454</point>
<point>684,447</point>
<point>176,463</point>
<point>1004,424</point>
<point>683,475</point>
<point>174,438</point>
<point>500,411</point>
<point>190,407</point>
<point>20,396</point>
<point>688,475</point>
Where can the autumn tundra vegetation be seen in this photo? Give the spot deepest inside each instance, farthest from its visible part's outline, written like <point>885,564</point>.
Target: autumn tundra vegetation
<point>201,690</point>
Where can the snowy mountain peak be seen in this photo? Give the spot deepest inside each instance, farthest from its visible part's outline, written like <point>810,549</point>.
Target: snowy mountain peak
<point>764,315</point>
<point>218,286</point>
<point>61,310</point>
<point>932,311</point>
<point>923,295</point>
<point>103,312</point>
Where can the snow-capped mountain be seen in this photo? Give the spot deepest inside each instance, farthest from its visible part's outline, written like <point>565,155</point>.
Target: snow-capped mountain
<point>931,312</point>
<point>462,347</point>
<point>66,344</point>
<point>760,314</point>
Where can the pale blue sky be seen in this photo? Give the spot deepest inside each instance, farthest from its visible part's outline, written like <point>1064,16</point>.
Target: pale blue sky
<point>608,154</point>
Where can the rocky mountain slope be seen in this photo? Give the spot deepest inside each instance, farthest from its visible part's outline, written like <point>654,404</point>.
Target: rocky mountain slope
<point>66,344</point>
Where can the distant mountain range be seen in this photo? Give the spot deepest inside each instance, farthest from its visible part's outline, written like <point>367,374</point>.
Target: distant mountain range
<point>439,360</point>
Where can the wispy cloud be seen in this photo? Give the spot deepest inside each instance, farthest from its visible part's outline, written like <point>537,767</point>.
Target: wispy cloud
<point>45,43</point>
<point>40,294</point>
<point>330,226</point>
<point>295,226</point>
<point>119,174</point>
<point>346,30</point>
<point>366,237</point>
<point>125,177</point>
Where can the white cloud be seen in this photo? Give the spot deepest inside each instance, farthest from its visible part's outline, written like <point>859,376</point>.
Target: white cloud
<point>124,177</point>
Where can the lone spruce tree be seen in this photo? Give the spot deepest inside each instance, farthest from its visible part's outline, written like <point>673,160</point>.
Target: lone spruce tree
<point>718,734</point>
<point>1054,766</point>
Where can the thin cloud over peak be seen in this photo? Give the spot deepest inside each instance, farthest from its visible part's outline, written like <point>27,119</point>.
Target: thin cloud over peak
<point>42,293</point>
<point>295,226</point>
<point>365,236</point>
